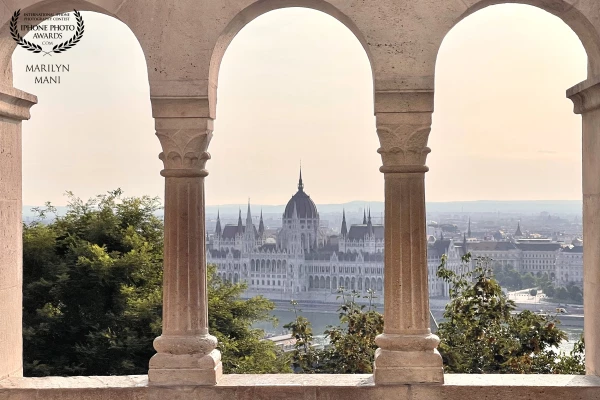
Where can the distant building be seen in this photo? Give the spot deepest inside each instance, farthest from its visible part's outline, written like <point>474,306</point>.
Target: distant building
<point>301,261</point>
<point>569,265</point>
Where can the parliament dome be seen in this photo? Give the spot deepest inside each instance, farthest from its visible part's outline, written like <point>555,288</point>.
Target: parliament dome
<point>305,207</point>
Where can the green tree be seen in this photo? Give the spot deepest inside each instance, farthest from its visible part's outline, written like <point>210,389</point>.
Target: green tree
<point>230,319</point>
<point>483,334</point>
<point>352,345</point>
<point>92,294</point>
<point>351,348</point>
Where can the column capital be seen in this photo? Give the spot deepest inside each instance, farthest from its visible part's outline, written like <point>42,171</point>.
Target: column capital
<point>15,104</point>
<point>585,95</point>
<point>403,138</point>
<point>185,143</point>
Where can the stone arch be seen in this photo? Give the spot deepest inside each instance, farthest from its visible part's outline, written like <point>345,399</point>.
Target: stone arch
<point>268,263</point>
<point>327,283</point>
<point>353,283</point>
<point>310,282</point>
<point>259,8</point>
<point>359,283</point>
<point>347,283</point>
<point>334,283</point>
<point>379,285</point>
<point>322,282</point>
<point>367,284</point>
<point>562,9</point>
<point>252,265</point>
<point>236,278</point>
<point>106,7</point>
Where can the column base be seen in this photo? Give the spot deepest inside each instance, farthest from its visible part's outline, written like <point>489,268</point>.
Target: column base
<point>408,359</point>
<point>185,369</point>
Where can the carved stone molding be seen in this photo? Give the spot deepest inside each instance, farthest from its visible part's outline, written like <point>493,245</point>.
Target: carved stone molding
<point>15,104</point>
<point>403,138</point>
<point>585,95</point>
<point>185,145</point>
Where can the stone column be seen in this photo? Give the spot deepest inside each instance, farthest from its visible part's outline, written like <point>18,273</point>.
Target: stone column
<point>586,98</point>
<point>186,352</point>
<point>14,108</point>
<point>407,349</point>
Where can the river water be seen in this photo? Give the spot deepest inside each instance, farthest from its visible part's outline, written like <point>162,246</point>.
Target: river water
<point>321,320</point>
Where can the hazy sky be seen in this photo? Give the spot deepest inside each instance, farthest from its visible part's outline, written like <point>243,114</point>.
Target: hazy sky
<point>295,84</point>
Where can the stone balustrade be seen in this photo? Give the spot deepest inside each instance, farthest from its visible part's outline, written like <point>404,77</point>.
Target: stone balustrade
<point>305,387</point>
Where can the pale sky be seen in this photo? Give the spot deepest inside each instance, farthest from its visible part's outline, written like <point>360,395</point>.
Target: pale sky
<point>296,84</point>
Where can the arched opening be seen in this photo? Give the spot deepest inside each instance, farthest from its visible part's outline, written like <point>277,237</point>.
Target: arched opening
<point>512,127</point>
<point>89,116</point>
<point>298,110</point>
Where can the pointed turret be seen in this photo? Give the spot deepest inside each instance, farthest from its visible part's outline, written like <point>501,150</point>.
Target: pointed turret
<point>464,245</point>
<point>364,216</point>
<point>240,227</point>
<point>469,230</point>
<point>369,224</point>
<point>518,232</point>
<point>344,230</point>
<point>248,215</point>
<point>218,230</point>
<point>261,225</point>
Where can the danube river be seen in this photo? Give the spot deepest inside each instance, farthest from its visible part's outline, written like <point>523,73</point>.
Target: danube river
<point>320,320</point>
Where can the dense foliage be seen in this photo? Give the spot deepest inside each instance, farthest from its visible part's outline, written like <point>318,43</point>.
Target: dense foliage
<point>92,294</point>
<point>482,333</point>
<point>351,348</point>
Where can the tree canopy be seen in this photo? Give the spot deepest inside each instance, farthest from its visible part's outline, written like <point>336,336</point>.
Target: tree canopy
<point>482,332</point>
<point>92,294</point>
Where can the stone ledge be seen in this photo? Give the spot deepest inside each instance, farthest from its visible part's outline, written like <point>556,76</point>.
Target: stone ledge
<point>306,387</point>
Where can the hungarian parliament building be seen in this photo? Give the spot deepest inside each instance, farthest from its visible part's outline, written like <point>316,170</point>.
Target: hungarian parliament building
<point>303,262</point>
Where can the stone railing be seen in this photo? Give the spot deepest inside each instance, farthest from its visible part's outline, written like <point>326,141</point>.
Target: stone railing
<point>306,387</point>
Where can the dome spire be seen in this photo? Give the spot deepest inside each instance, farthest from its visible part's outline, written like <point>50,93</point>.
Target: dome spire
<point>300,184</point>
<point>344,230</point>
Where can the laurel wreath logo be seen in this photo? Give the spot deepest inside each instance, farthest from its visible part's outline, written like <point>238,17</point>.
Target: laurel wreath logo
<point>35,48</point>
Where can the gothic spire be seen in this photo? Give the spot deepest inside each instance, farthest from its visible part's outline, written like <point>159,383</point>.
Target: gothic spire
<point>218,227</point>
<point>518,232</point>
<point>261,225</point>
<point>248,215</point>
<point>300,184</point>
<point>344,230</point>
<point>240,226</point>
<point>364,216</point>
<point>369,224</point>
<point>469,230</point>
